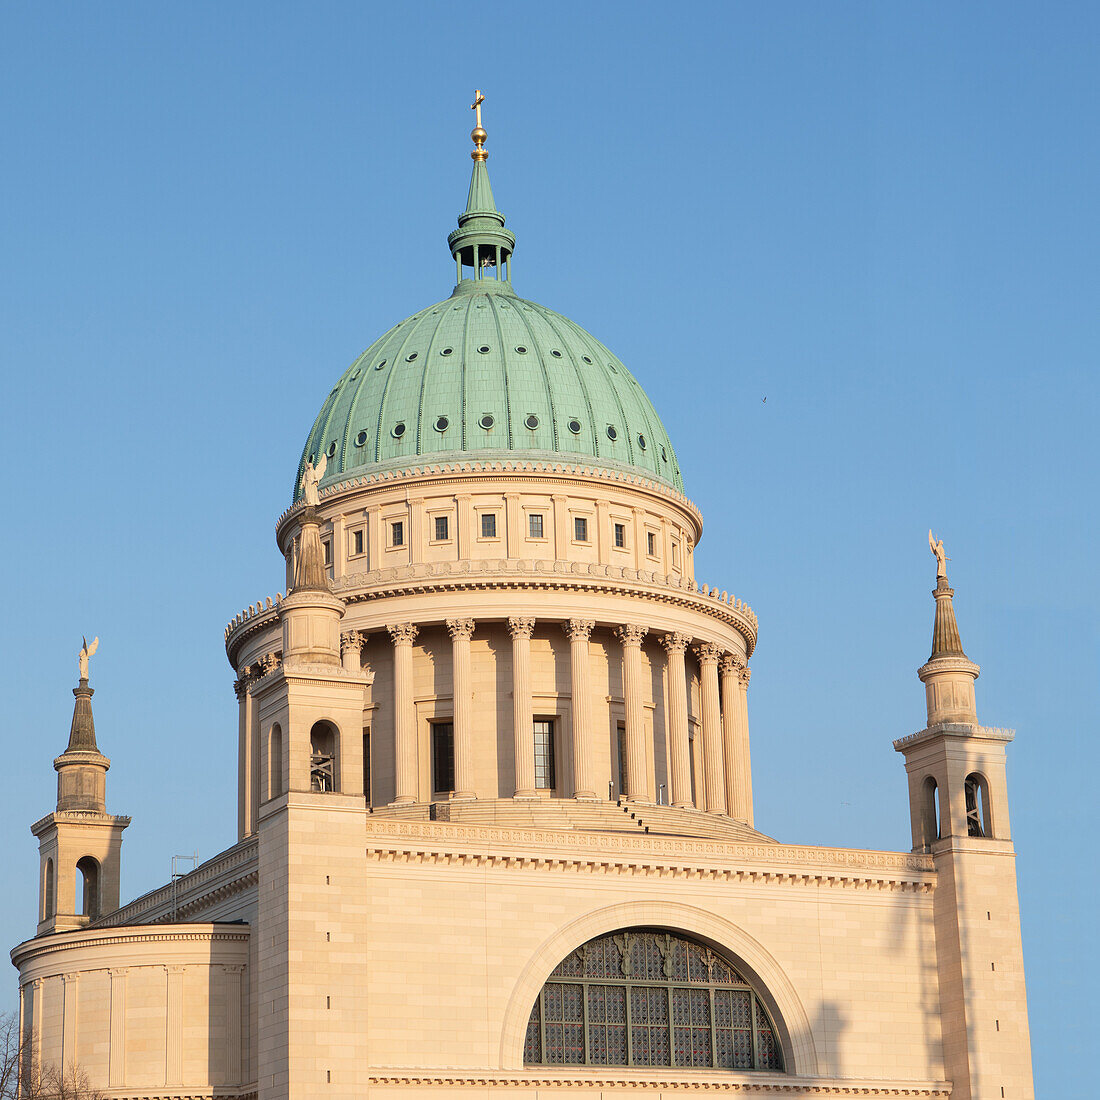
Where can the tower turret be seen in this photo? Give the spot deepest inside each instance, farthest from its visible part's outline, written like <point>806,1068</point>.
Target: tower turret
<point>958,801</point>
<point>79,840</point>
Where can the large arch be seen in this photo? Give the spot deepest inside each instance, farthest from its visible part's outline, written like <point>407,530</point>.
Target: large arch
<point>772,984</point>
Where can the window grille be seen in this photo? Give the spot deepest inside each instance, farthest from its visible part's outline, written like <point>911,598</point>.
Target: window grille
<point>443,757</point>
<point>645,997</point>
<point>580,528</point>
<point>534,526</point>
<point>651,544</point>
<point>620,535</point>
<point>398,533</point>
<point>545,778</point>
<point>488,525</point>
<point>620,745</point>
<point>440,528</point>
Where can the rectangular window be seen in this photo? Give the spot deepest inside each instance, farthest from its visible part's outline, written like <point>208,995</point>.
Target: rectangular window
<point>534,526</point>
<point>580,528</point>
<point>620,535</point>
<point>441,529</point>
<point>545,778</point>
<point>357,542</point>
<point>328,551</point>
<point>443,757</point>
<point>488,525</point>
<point>366,763</point>
<point>398,532</point>
<point>622,758</point>
<point>651,544</point>
<point>675,554</point>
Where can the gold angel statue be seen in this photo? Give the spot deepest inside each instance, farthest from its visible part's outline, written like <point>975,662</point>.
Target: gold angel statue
<point>86,651</point>
<point>311,478</point>
<point>941,558</point>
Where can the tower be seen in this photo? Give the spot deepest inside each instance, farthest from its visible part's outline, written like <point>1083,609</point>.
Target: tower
<point>958,798</point>
<point>79,840</point>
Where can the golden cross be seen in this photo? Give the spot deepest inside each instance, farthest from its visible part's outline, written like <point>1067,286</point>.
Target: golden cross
<point>479,99</point>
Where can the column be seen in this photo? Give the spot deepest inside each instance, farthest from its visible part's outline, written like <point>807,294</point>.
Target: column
<point>579,631</point>
<point>563,533</point>
<point>513,526</point>
<point>35,1053</point>
<point>69,999</point>
<point>631,637</point>
<point>351,649</point>
<point>679,749</point>
<point>522,714</point>
<point>465,534</point>
<point>736,803</point>
<point>404,718</point>
<point>245,763</point>
<point>173,1069</point>
<point>746,763</point>
<point>116,1073</point>
<point>714,776</point>
<point>461,631</point>
<point>233,1023</point>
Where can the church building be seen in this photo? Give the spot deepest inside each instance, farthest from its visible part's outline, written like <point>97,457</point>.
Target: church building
<point>495,824</point>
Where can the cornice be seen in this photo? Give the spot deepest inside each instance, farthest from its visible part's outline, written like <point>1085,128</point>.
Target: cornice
<point>954,729</point>
<point>662,1078</point>
<point>146,933</point>
<point>437,842</point>
<point>80,817</point>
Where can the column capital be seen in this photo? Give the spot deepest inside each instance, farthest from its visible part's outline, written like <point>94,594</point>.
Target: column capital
<point>521,627</point>
<point>268,663</point>
<point>73,977</point>
<point>675,643</point>
<point>578,629</point>
<point>242,685</point>
<point>352,640</point>
<point>708,653</point>
<point>232,968</point>
<point>630,634</point>
<point>559,498</point>
<point>731,662</point>
<point>176,968</point>
<point>746,673</point>
<point>461,628</point>
<point>403,633</point>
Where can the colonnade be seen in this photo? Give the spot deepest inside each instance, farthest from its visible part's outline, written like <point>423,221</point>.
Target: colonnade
<point>727,781</point>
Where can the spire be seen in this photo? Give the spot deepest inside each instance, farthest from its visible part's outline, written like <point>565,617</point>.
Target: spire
<point>310,571</point>
<point>82,732</point>
<point>945,631</point>
<point>481,243</point>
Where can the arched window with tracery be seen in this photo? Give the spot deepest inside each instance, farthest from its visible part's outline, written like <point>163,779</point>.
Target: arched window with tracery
<point>976,793</point>
<point>647,997</point>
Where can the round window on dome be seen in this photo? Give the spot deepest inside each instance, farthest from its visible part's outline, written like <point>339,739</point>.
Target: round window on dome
<point>641,442</point>
<point>442,424</point>
<point>575,426</point>
<point>398,429</point>
<point>447,351</point>
<point>612,432</point>
<point>487,421</point>
<point>521,349</point>
<point>555,353</point>
<point>532,421</point>
<point>410,357</point>
<point>361,439</point>
<point>331,449</point>
<point>379,366</point>
<point>483,350</point>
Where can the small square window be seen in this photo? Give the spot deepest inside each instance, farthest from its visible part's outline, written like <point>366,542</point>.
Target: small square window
<point>534,526</point>
<point>357,542</point>
<point>328,551</point>
<point>580,528</point>
<point>620,535</point>
<point>488,525</point>
<point>398,532</point>
<point>441,529</point>
<point>651,544</point>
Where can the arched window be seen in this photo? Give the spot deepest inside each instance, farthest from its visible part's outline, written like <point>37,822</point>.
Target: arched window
<point>930,812</point>
<point>977,805</point>
<point>646,997</point>
<point>323,739</point>
<point>275,761</point>
<point>89,873</point>
<point>47,891</point>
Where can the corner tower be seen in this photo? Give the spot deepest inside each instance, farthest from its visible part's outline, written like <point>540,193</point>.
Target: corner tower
<point>79,840</point>
<point>958,799</point>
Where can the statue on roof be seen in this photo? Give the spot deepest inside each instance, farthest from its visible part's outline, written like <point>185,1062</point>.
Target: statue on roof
<point>941,557</point>
<point>86,651</point>
<point>311,477</point>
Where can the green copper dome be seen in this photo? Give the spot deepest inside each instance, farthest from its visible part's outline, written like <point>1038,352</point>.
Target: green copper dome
<point>487,375</point>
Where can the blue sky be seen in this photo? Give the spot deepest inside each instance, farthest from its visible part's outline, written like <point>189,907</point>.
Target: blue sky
<point>881,217</point>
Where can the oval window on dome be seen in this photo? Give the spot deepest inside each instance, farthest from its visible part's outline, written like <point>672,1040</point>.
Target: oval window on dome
<point>532,421</point>
<point>379,366</point>
<point>664,457</point>
<point>442,424</point>
<point>483,350</point>
<point>312,458</point>
<point>398,429</point>
<point>521,349</point>
<point>587,359</point>
<point>487,421</point>
<point>331,449</point>
<point>555,353</point>
<point>410,357</point>
<point>447,351</point>
<point>612,432</point>
<point>575,426</point>
<point>354,374</point>
<point>641,441</point>
<point>361,439</point>
<point>614,369</point>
